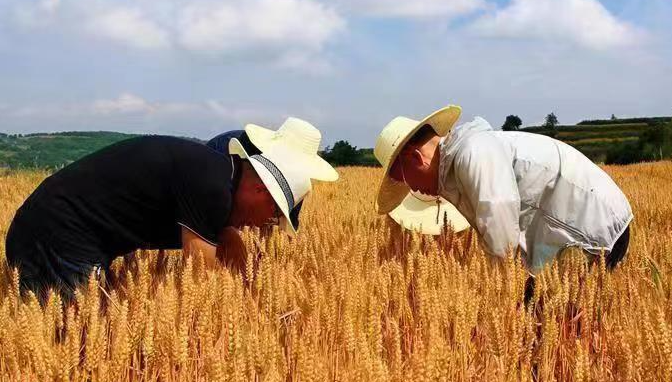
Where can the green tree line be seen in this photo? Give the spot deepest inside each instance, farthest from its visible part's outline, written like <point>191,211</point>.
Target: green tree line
<point>613,141</point>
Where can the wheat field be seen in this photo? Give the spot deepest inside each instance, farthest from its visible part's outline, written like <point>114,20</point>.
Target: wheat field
<point>353,298</point>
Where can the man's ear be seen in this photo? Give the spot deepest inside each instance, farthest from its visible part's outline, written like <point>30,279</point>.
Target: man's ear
<point>416,158</point>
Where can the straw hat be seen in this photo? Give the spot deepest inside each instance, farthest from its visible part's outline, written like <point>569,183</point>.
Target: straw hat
<point>300,137</point>
<point>287,182</point>
<point>389,144</point>
<point>426,217</point>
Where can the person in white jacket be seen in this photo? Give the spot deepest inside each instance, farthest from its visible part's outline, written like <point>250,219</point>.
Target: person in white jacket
<point>517,189</point>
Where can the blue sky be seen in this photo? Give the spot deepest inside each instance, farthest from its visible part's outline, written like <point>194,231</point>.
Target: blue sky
<point>200,67</point>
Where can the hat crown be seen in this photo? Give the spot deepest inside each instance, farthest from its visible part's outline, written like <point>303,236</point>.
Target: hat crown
<point>297,181</point>
<point>394,134</point>
<point>299,135</point>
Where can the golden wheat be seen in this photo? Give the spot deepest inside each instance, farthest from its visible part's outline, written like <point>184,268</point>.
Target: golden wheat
<point>353,298</point>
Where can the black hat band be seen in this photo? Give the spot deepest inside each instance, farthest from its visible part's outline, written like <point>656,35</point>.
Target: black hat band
<point>277,174</point>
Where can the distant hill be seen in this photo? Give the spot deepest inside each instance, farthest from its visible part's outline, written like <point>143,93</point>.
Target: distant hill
<point>597,138</point>
<point>619,121</point>
<point>620,141</point>
<point>53,150</point>
<point>603,141</point>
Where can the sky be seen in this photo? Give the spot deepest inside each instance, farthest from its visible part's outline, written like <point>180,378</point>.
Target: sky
<point>201,67</point>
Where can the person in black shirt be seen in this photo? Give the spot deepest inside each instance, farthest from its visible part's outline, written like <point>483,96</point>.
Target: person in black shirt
<point>152,192</point>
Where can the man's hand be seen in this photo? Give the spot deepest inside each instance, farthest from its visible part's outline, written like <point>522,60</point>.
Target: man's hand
<point>192,244</point>
<point>232,251</point>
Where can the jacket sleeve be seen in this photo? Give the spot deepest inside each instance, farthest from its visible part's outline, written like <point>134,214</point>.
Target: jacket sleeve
<point>484,168</point>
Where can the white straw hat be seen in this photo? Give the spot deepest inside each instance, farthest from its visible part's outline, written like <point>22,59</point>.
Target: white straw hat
<point>389,144</point>
<point>299,136</point>
<point>287,182</point>
<point>426,216</point>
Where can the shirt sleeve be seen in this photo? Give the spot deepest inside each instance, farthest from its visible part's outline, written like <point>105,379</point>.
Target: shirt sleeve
<point>485,171</point>
<point>202,198</point>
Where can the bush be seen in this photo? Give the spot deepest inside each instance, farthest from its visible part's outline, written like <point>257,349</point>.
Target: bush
<point>624,153</point>
<point>654,144</point>
<point>591,128</point>
<point>651,121</point>
<point>342,154</point>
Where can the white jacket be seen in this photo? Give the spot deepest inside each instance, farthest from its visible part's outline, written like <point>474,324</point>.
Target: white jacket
<point>529,190</point>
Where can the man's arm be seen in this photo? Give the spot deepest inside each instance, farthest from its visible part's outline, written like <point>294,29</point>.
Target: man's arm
<point>230,252</point>
<point>485,171</point>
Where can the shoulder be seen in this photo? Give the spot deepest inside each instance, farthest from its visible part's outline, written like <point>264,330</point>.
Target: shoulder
<point>182,147</point>
<point>195,160</point>
<point>226,137</point>
<point>150,143</point>
<point>220,143</point>
<point>158,149</point>
<point>480,145</point>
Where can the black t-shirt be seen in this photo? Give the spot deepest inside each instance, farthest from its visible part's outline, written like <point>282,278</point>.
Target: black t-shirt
<point>135,194</point>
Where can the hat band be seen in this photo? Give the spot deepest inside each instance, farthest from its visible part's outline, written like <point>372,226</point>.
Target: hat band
<point>277,174</point>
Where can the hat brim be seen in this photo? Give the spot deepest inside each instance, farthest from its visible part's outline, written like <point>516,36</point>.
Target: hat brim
<point>288,222</point>
<point>315,166</point>
<point>421,216</point>
<point>390,192</point>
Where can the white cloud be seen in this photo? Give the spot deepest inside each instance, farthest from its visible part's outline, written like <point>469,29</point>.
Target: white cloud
<point>35,15</point>
<point>48,5</point>
<point>309,62</point>
<point>125,103</point>
<point>129,26</point>
<point>242,114</point>
<point>414,9</point>
<point>252,29</point>
<point>129,112</point>
<point>224,26</point>
<point>586,23</point>
<point>129,103</point>
<point>132,113</point>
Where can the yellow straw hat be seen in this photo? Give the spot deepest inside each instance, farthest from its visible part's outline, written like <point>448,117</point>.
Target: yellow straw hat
<point>389,144</point>
<point>426,216</point>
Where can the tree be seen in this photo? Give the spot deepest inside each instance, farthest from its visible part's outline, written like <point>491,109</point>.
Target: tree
<point>613,117</point>
<point>512,123</point>
<point>342,154</point>
<point>551,121</point>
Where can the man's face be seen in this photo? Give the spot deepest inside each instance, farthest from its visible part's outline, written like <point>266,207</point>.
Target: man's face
<point>253,205</point>
<point>415,169</point>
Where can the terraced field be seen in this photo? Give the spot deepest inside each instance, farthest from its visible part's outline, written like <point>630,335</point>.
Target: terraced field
<point>595,140</point>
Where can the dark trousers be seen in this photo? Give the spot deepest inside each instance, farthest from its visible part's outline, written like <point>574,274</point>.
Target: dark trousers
<point>614,257</point>
<point>40,266</point>
<point>619,250</point>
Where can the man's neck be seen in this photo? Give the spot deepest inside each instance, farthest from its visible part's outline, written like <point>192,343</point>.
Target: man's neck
<point>431,152</point>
